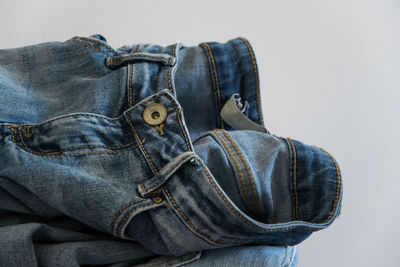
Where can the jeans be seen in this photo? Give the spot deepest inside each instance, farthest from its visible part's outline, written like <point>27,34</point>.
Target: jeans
<point>122,157</point>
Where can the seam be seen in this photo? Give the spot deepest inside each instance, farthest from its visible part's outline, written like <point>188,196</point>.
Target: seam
<point>161,180</point>
<point>240,216</point>
<point>253,186</point>
<point>189,222</point>
<point>122,210</point>
<point>90,46</point>
<point>216,82</point>
<point>12,135</point>
<point>295,178</point>
<point>98,42</point>
<point>170,69</point>
<point>75,148</point>
<point>180,122</point>
<point>128,215</point>
<point>51,154</point>
<point>72,115</point>
<point>256,80</point>
<point>241,176</point>
<point>338,185</point>
<point>141,145</point>
<point>130,86</point>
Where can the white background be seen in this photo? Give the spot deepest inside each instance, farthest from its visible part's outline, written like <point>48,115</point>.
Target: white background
<point>330,76</point>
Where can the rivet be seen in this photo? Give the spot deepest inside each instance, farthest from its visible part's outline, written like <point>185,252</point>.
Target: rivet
<point>157,200</point>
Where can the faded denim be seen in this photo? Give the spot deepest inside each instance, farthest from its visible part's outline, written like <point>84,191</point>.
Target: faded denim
<point>86,178</point>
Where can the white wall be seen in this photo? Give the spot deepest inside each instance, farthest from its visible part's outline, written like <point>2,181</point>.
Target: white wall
<point>330,76</point>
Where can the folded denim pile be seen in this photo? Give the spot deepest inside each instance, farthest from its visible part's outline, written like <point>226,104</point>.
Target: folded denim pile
<point>148,155</point>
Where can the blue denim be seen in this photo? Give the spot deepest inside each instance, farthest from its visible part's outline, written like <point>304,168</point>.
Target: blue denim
<point>121,157</point>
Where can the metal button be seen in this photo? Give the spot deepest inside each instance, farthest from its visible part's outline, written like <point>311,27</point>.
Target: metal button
<point>154,114</point>
<point>157,200</point>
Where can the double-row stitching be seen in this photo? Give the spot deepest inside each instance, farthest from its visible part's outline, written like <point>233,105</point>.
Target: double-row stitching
<point>241,176</point>
<point>76,147</point>
<point>98,42</point>
<point>161,180</point>
<point>137,136</point>
<point>90,46</point>
<point>338,185</point>
<point>178,114</point>
<point>188,221</point>
<point>122,210</point>
<point>75,115</point>
<point>142,147</point>
<point>256,80</point>
<point>240,216</point>
<point>170,69</point>
<point>54,154</point>
<point>253,186</point>
<point>130,85</point>
<point>296,197</point>
<point>128,215</point>
<point>217,89</point>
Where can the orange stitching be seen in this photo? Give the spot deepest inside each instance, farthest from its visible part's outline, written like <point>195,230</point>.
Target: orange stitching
<point>130,86</point>
<point>253,186</point>
<point>161,180</point>
<point>121,210</point>
<point>188,221</point>
<point>127,216</point>
<point>241,176</point>
<point>90,46</point>
<point>240,216</point>
<point>12,134</point>
<point>54,156</point>
<point>335,203</point>
<point>77,115</point>
<point>180,122</point>
<point>216,81</point>
<point>28,133</point>
<point>80,147</point>
<point>158,191</point>
<point>295,178</point>
<point>99,42</point>
<point>141,145</point>
<point>255,71</point>
<point>170,70</point>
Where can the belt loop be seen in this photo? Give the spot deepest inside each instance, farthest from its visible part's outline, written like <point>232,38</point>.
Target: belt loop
<point>167,171</point>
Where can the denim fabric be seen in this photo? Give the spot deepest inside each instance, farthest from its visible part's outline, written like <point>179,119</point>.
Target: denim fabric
<point>248,256</point>
<point>89,176</point>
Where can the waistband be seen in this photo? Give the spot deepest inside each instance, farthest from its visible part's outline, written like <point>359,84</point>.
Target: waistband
<point>234,70</point>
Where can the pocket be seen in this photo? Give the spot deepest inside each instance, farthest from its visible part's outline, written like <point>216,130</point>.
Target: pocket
<point>77,134</point>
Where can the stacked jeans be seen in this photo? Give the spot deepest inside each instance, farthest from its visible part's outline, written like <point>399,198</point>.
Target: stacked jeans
<point>150,156</point>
